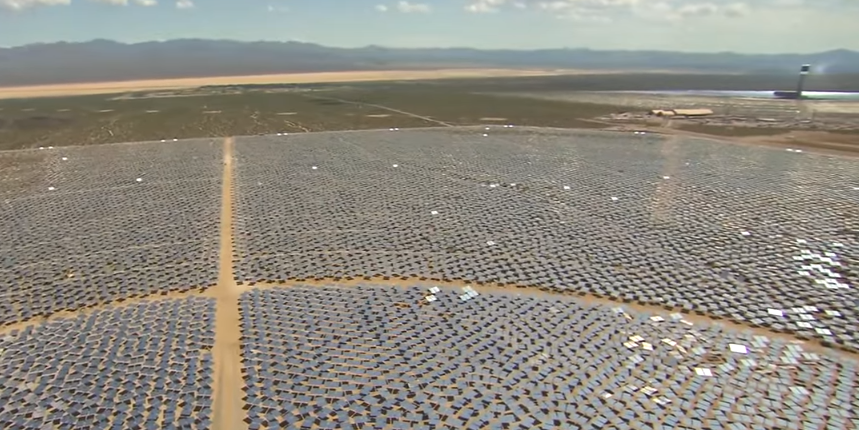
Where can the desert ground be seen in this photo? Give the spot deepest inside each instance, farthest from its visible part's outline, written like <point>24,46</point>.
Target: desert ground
<point>291,78</point>
<point>756,107</point>
<point>180,109</point>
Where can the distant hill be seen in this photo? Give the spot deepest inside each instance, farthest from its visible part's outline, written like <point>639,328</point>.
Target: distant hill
<point>104,60</point>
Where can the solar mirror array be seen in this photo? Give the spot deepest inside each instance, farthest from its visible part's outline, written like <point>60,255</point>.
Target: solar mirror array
<point>737,232</point>
<point>85,227</point>
<point>77,228</point>
<point>329,357</point>
<point>470,277</point>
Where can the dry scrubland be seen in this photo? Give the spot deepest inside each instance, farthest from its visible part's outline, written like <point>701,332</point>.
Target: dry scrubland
<point>60,90</point>
<point>182,109</point>
<point>96,119</point>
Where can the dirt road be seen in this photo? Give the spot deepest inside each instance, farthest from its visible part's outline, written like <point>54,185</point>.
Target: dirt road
<point>389,109</point>
<point>226,352</point>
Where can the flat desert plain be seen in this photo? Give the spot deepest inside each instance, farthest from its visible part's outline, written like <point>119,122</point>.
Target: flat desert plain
<point>289,78</point>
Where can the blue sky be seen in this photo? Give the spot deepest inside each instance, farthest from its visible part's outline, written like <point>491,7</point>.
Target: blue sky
<point>686,25</point>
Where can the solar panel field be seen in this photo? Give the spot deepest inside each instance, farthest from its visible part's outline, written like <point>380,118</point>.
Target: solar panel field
<point>457,277</point>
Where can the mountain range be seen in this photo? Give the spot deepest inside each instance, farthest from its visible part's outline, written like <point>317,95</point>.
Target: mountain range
<point>105,60</point>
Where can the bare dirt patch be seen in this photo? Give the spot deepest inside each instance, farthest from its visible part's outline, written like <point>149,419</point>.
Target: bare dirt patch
<point>227,349</point>
<point>378,115</point>
<point>818,141</point>
<point>822,142</point>
<point>296,78</point>
<point>158,95</point>
<point>836,107</point>
<point>113,304</point>
<point>751,108</point>
<point>493,119</point>
<point>36,122</point>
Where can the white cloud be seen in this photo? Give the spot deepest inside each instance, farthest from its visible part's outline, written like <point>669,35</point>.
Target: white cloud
<point>146,3</point>
<point>277,9</point>
<point>702,10</point>
<point>735,10</point>
<point>485,6</point>
<point>26,4</point>
<point>406,7</point>
<point>554,5</point>
<point>788,3</point>
<point>112,2</point>
<point>607,10</point>
<point>184,4</point>
<point>601,11</point>
<point>698,9</point>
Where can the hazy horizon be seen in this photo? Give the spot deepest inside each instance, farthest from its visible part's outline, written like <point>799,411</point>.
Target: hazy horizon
<point>413,47</point>
<point>705,26</point>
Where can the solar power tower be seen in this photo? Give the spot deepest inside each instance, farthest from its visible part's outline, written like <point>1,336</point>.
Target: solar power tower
<point>803,72</point>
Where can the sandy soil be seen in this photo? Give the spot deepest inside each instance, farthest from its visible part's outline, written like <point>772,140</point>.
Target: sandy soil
<point>227,395</point>
<point>814,141</point>
<point>113,304</point>
<point>752,107</point>
<point>817,141</point>
<point>821,142</point>
<point>297,78</point>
